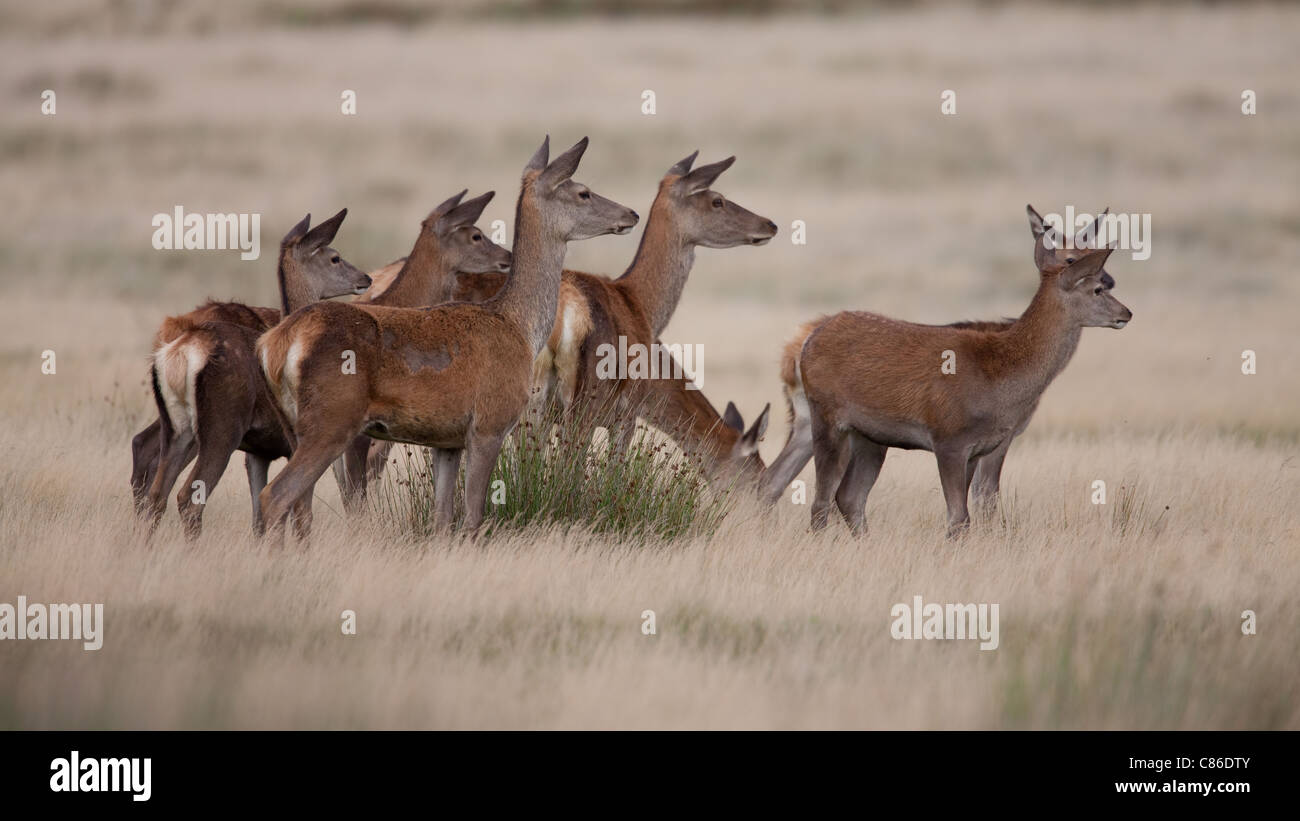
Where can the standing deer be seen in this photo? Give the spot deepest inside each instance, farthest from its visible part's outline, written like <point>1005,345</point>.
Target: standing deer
<point>594,309</point>
<point>209,390</point>
<point>454,377</point>
<point>873,383</point>
<point>448,243</point>
<point>798,448</point>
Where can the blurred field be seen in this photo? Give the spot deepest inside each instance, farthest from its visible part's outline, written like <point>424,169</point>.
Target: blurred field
<point>1123,616</point>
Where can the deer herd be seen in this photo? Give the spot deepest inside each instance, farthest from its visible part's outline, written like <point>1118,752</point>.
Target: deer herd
<point>450,347</point>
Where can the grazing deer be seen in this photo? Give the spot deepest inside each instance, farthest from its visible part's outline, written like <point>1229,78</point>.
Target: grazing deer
<point>209,390</point>
<point>448,244</point>
<point>455,377</point>
<point>798,448</point>
<point>873,383</point>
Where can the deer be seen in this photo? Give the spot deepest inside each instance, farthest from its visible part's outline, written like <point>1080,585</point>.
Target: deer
<point>594,309</point>
<point>208,388</point>
<point>472,256</point>
<point>798,449</point>
<point>454,377</point>
<point>449,244</point>
<point>872,383</point>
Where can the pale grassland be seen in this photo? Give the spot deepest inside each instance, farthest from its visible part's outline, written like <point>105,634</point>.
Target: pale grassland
<point>1123,616</point>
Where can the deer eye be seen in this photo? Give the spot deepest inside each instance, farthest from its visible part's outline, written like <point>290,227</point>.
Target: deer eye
<point>335,259</point>
<point>1098,290</point>
<point>717,202</point>
<point>584,195</point>
<point>477,237</point>
<point>1069,260</point>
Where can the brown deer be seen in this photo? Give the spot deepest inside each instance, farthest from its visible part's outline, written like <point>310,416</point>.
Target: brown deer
<point>594,309</point>
<point>455,377</point>
<point>798,448</point>
<point>873,383</point>
<point>209,390</point>
<point>448,244</point>
<point>473,256</point>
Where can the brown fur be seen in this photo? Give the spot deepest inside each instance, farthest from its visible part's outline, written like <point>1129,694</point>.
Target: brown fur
<point>873,383</point>
<point>208,388</point>
<point>798,447</point>
<point>453,377</point>
<point>448,244</point>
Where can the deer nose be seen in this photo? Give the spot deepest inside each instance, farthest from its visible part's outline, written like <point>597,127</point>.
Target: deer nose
<point>771,226</point>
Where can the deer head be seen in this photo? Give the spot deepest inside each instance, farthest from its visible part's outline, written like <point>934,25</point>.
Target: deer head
<point>463,246</point>
<point>1087,300</point>
<point>742,459</point>
<point>705,217</point>
<point>1052,261</point>
<point>311,269</point>
<point>567,209</point>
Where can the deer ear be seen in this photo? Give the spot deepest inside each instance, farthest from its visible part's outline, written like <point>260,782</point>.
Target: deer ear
<point>296,233</point>
<point>564,166</point>
<point>701,178</point>
<point>755,433</point>
<point>446,205</point>
<point>539,158</point>
<point>323,234</point>
<point>1036,224</point>
<point>731,418</point>
<point>1087,236</point>
<point>683,166</point>
<point>467,213</point>
<point>1085,266</point>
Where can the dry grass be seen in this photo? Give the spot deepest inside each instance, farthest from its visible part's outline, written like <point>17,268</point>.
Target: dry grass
<point>1119,616</point>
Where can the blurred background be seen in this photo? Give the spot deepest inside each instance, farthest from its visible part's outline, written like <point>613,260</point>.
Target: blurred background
<point>833,111</point>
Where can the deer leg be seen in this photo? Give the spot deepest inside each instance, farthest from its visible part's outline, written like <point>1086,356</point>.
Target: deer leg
<point>954,476</point>
<point>172,459</point>
<point>830,459</point>
<point>214,455</point>
<point>446,468</point>
<point>302,516</point>
<point>377,459</point>
<point>298,479</point>
<point>256,467</point>
<point>350,473</point>
<point>796,453</point>
<point>864,466</point>
<point>988,475</point>
<point>481,457</point>
<point>146,446</point>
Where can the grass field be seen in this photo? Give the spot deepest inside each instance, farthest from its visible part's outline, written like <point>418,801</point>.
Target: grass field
<point>1126,615</point>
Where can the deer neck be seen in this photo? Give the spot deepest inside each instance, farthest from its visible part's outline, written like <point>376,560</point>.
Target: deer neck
<point>658,272</point>
<point>423,279</point>
<point>295,290</point>
<point>1038,345</point>
<point>693,423</point>
<point>532,291</point>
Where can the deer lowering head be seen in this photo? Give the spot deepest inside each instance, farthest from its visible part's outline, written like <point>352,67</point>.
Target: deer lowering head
<point>310,270</point>
<point>448,244</point>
